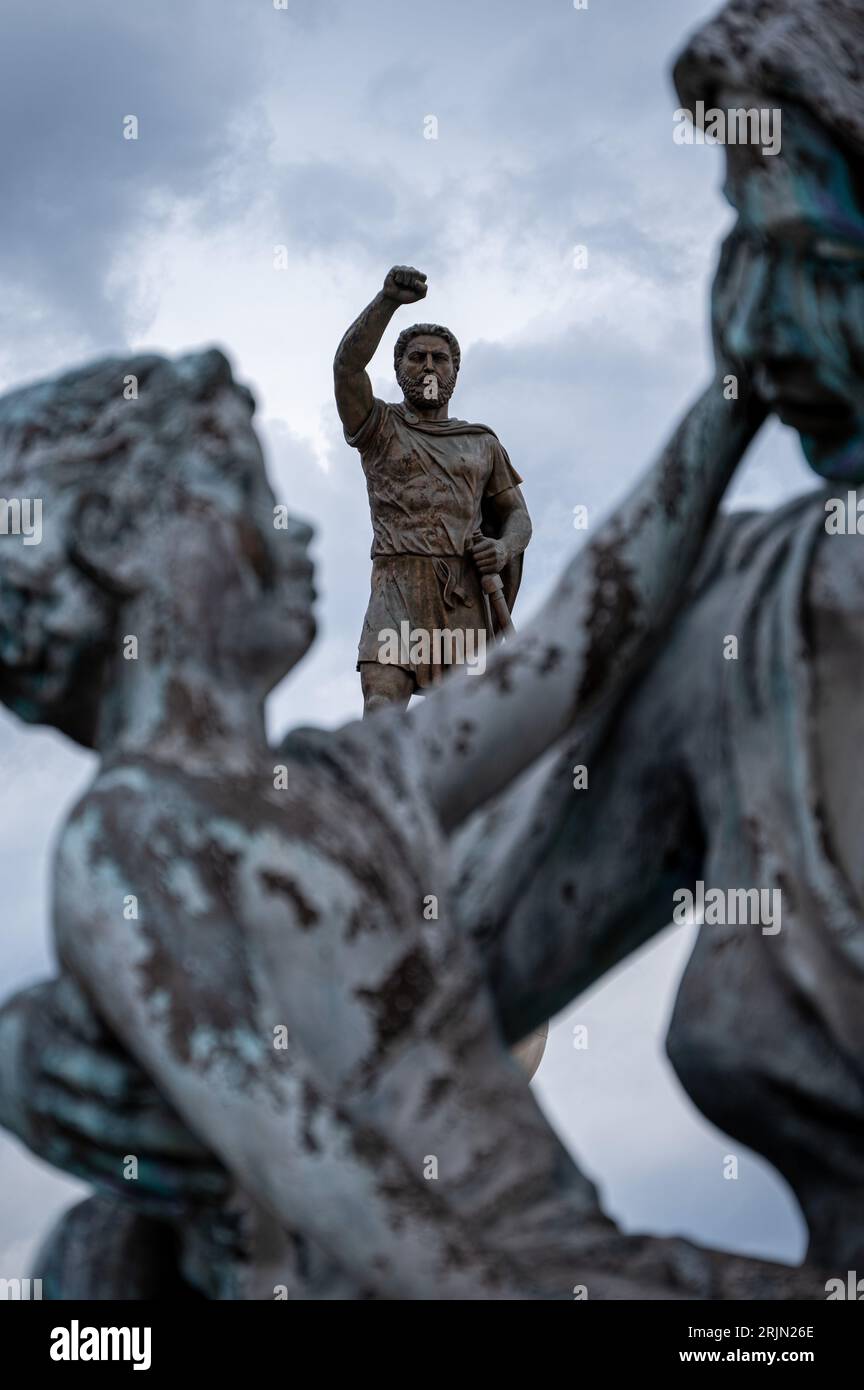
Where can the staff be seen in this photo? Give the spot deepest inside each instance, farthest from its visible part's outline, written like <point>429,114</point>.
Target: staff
<point>494,590</point>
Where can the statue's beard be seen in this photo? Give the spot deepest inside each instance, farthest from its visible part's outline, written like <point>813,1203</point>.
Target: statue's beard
<point>416,389</point>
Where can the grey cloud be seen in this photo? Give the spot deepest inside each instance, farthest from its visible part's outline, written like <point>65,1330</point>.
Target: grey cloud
<point>75,192</point>
<point>324,206</point>
<point>205,80</point>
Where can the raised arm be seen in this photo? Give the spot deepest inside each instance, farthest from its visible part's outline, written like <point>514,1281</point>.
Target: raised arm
<point>578,657</point>
<point>403,285</point>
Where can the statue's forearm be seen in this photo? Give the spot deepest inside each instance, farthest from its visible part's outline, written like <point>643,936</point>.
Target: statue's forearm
<point>362,339</point>
<point>516,531</point>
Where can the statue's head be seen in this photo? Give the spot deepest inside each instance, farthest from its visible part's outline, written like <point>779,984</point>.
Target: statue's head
<point>156,515</point>
<point>788,303</point>
<point>789,295</point>
<point>426,358</point>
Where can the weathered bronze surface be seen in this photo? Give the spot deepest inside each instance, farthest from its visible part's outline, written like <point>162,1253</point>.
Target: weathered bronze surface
<point>433,483</point>
<point>283,981</point>
<point>213,906</point>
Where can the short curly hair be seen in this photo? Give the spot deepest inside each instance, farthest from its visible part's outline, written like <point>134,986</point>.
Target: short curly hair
<point>79,426</point>
<point>436,330</point>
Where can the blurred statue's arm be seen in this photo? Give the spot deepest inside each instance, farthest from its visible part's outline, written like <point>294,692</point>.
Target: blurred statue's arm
<point>478,732</point>
<point>403,285</point>
<point>79,1102</point>
<point>563,877</point>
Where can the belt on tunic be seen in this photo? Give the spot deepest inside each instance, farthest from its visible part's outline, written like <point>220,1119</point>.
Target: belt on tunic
<point>451,592</point>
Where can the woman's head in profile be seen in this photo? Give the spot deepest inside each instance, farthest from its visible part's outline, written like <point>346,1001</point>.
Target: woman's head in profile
<point>160,541</point>
<point>788,302</point>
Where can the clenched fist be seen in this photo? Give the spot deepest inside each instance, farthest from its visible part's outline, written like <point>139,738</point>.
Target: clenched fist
<point>405,284</point>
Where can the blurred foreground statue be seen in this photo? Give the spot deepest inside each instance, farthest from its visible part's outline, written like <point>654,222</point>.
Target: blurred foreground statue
<point>243,934</point>
<point>251,928</point>
<point>741,772</point>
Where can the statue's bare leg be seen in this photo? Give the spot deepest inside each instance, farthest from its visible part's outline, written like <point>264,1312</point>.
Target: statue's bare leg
<point>384,685</point>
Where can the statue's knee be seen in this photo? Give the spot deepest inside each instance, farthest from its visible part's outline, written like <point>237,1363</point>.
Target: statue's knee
<point>376,701</point>
<point>384,686</point>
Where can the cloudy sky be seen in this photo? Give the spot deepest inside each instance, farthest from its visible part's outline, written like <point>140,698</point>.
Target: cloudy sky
<point>304,128</point>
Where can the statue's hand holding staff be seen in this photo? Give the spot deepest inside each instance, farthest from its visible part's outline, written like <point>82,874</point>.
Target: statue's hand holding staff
<point>490,556</point>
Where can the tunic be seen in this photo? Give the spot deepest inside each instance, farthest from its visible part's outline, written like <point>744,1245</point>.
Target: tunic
<point>427,481</point>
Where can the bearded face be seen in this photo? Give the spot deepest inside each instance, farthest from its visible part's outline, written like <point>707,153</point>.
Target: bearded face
<point>426,372</point>
<point>788,301</point>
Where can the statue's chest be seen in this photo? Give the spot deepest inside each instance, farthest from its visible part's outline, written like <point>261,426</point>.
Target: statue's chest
<point>430,469</point>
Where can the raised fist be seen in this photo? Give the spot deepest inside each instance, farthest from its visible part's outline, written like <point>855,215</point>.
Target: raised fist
<point>405,284</point>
